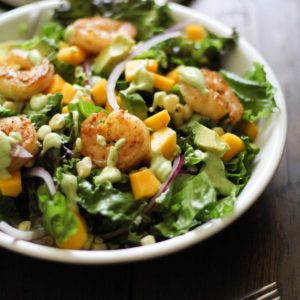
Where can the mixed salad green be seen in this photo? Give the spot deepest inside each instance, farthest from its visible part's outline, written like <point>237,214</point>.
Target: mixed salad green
<point>123,130</point>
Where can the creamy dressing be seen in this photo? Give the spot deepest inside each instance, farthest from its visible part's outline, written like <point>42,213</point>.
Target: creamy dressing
<point>38,102</point>
<point>69,186</point>
<point>51,140</point>
<point>5,157</point>
<point>160,166</point>
<point>142,80</point>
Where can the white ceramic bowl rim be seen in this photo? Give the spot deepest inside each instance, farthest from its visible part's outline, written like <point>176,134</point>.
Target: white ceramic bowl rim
<point>265,167</point>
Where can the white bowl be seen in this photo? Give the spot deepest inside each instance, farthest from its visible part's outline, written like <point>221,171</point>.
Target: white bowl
<point>271,140</point>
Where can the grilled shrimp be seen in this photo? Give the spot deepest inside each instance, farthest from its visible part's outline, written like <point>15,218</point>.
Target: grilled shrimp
<point>119,124</point>
<point>29,137</point>
<point>20,79</point>
<point>219,102</point>
<point>94,34</point>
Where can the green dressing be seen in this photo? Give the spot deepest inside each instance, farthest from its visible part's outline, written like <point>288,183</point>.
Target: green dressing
<point>157,100</point>
<point>101,140</point>
<point>160,166</point>
<point>51,140</point>
<point>35,57</point>
<point>142,81</point>
<point>69,187</point>
<point>38,102</point>
<point>193,77</point>
<point>5,158</point>
<point>109,173</point>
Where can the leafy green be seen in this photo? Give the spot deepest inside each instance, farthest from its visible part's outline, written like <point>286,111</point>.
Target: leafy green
<point>193,156</point>
<point>85,109</point>
<point>255,92</point>
<point>59,220</point>
<point>108,201</point>
<point>179,207</point>
<point>53,31</point>
<point>181,51</point>
<point>80,76</point>
<point>238,169</point>
<point>148,17</point>
<point>6,112</point>
<point>8,210</point>
<point>218,209</point>
<point>135,104</point>
<point>43,116</point>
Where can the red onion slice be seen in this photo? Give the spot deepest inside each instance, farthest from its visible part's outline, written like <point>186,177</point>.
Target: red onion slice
<point>118,70</point>
<point>177,165</point>
<point>20,152</point>
<point>88,72</point>
<point>21,234</point>
<point>42,173</point>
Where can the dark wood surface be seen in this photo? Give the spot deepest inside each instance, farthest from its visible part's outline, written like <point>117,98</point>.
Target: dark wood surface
<point>261,247</point>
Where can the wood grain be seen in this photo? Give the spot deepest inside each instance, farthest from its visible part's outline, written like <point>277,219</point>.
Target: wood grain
<point>261,247</point>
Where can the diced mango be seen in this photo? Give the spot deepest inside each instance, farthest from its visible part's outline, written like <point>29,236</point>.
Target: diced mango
<point>174,75</point>
<point>195,32</point>
<point>68,92</point>
<point>56,85</point>
<point>144,184</point>
<point>99,92</point>
<point>249,129</point>
<point>158,121</point>
<point>65,110</point>
<point>109,108</point>
<point>163,83</point>
<point>76,241</point>
<point>133,65</point>
<point>164,142</point>
<point>12,187</point>
<point>236,145</point>
<point>71,55</point>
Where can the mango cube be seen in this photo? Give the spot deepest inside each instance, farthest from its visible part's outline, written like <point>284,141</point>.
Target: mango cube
<point>99,92</point>
<point>144,184</point>
<point>158,121</point>
<point>164,142</point>
<point>12,187</point>
<point>236,145</point>
<point>68,92</point>
<point>56,85</point>
<point>72,55</point>
<point>133,66</point>
<point>163,83</point>
<point>195,32</point>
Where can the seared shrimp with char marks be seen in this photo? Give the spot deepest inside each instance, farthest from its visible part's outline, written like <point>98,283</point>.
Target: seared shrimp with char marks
<point>20,79</point>
<point>219,102</point>
<point>29,142</point>
<point>96,33</point>
<point>119,124</point>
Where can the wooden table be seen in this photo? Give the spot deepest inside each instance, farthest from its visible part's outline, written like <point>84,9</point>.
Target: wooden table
<point>261,247</point>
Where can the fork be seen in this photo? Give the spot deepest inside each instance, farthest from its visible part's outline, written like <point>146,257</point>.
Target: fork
<point>269,291</point>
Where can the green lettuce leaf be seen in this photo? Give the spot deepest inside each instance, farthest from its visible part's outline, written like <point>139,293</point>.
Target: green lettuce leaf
<point>43,116</point>
<point>59,220</point>
<point>6,112</point>
<point>193,156</point>
<point>255,92</point>
<point>108,201</point>
<point>179,207</point>
<point>239,169</point>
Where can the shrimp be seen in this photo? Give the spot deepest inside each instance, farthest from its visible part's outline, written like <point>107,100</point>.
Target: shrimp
<point>219,102</point>
<point>119,124</point>
<point>20,79</point>
<point>28,133</point>
<point>94,34</point>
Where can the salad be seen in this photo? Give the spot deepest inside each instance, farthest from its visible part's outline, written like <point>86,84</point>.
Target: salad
<point>120,128</point>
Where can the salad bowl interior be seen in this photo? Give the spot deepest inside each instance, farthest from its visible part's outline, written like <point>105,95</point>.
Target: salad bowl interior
<point>271,140</point>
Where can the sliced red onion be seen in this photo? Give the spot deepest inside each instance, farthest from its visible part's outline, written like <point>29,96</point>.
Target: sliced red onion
<point>88,72</point>
<point>42,173</point>
<point>118,70</point>
<point>20,152</point>
<point>179,25</point>
<point>21,234</point>
<point>177,165</point>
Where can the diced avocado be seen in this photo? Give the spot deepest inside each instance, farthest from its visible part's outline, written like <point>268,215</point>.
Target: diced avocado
<point>214,168</point>
<point>135,104</point>
<point>208,140</point>
<point>111,55</point>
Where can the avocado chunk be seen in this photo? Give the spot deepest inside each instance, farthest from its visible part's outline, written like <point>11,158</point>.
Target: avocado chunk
<point>135,105</point>
<point>208,140</point>
<point>214,168</point>
<point>111,55</point>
